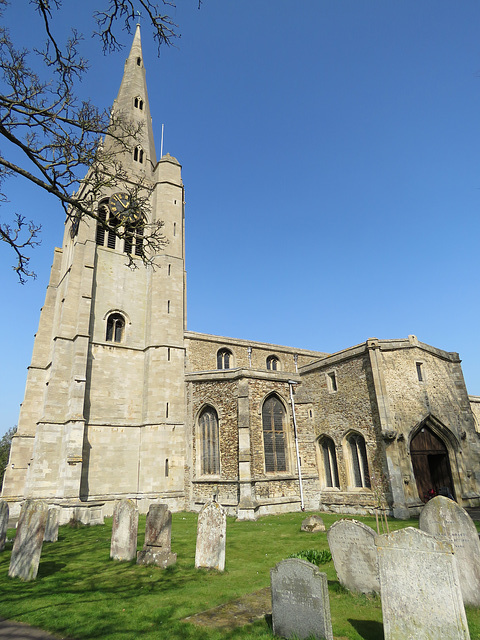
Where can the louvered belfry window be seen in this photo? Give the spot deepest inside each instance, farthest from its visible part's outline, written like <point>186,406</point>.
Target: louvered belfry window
<point>209,442</point>
<point>273,418</point>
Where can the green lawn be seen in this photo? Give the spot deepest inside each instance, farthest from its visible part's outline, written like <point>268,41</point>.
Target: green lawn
<point>81,593</point>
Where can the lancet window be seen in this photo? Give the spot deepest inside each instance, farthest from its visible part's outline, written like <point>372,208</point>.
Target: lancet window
<point>115,328</point>
<point>358,457</point>
<point>210,451</point>
<point>273,421</point>
<point>329,460</point>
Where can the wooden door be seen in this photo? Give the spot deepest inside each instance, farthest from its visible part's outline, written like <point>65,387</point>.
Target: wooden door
<point>431,465</point>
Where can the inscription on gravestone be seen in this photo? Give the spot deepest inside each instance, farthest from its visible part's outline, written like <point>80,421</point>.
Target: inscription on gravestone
<point>3,523</point>
<point>354,555</point>
<point>27,547</point>
<point>211,536</point>
<point>300,603</point>
<point>123,545</point>
<point>444,517</point>
<point>420,589</point>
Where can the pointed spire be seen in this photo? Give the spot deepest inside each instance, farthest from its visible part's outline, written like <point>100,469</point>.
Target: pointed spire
<point>132,100</point>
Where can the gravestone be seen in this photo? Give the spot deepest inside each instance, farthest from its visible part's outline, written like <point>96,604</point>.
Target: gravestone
<point>3,523</point>
<point>300,604</point>
<point>123,545</point>
<point>27,547</point>
<point>158,535</point>
<point>313,524</point>
<point>420,588</point>
<point>444,517</point>
<point>354,555</point>
<point>51,528</point>
<point>211,536</point>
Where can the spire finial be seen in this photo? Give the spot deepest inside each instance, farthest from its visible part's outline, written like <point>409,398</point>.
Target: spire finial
<point>139,17</point>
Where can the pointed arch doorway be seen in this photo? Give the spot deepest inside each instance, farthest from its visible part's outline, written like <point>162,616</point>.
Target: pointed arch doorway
<point>431,464</point>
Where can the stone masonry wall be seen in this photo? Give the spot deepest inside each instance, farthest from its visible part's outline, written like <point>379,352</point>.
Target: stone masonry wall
<point>352,407</point>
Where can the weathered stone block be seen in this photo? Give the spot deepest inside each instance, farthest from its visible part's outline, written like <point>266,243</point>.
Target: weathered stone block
<point>420,588</point>
<point>444,517</point>
<point>27,547</point>
<point>300,603</point>
<point>51,528</point>
<point>211,537</point>
<point>354,555</point>
<point>123,545</point>
<point>313,524</point>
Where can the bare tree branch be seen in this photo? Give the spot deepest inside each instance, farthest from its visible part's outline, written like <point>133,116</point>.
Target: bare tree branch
<point>60,137</point>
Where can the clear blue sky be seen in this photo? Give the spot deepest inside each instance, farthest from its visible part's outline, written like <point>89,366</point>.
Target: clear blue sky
<point>330,154</point>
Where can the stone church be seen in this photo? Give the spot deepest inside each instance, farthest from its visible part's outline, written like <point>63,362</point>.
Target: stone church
<point>122,401</point>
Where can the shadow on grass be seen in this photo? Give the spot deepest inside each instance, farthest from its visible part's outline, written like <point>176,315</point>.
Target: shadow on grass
<point>368,629</point>
<point>49,568</point>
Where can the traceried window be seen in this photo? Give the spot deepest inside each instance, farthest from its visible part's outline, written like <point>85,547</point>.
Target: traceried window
<point>115,327</point>
<point>224,359</point>
<point>273,421</point>
<point>209,446</point>
<point>358,457</point>
<point>273,363</point>
<point>329,459</point>
<point>138,102</point>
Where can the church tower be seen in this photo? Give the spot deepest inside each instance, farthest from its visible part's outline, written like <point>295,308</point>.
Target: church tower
<point>104,411</point>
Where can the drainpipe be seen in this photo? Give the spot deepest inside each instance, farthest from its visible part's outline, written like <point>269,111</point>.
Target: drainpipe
<point>291,383</point>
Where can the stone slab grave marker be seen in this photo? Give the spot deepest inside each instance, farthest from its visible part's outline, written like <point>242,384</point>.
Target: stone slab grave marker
<point>4,513</point>
<point>300,604</point>
<point>158,536</point>
<point>420,588</point>
<point>27,547</point>
<point>444,517</point>
<point>313,524</point>
<point>211,537</point>
<point>51,528</point>
<point>354,555</point>
<point>123,544</point>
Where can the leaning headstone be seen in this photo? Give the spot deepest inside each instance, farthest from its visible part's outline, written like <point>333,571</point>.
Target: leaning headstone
<point>313,524</point>
<point>211,536</point>
<point>444,517</point>
<point>420,588</point>
<point>123,545</point>
<point>51,529</point>
<point>354,555</point>
<point>300,604</point>
<point>158,536</point>
<point>27,547</point>
<point>3,523</point>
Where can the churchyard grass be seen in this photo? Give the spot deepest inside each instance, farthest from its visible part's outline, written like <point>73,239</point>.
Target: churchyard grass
<point>80,593</point>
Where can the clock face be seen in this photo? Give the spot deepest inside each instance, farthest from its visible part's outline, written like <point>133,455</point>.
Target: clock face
<point>119,202</point>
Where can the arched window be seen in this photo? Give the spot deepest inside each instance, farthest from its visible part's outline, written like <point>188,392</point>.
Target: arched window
<point>224,359</point>
<point>138,154</point>
<point>358,457</point>
<point>273,363</point>
<point>106,216</point>
<point>273,420</point>
<point>115,327</point>
<point>138,102</point>
<point>134,239</point>
<point>210,452</point>
<point>329,460</point>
